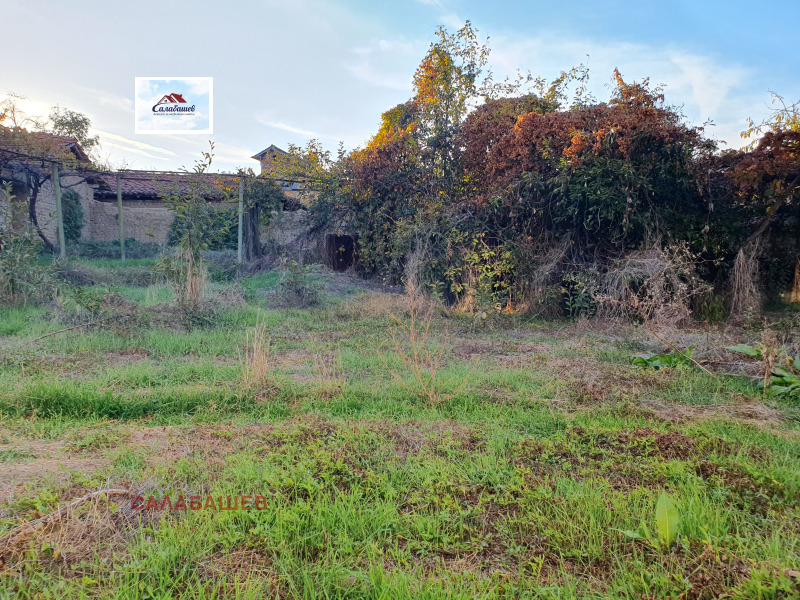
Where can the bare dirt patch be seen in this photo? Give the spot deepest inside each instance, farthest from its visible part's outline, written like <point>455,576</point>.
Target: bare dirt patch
<point>745,410</point>
<point>15,479</point>
<point>592,381</point>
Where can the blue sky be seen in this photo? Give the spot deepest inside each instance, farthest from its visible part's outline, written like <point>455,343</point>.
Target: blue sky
<point>287,71</point>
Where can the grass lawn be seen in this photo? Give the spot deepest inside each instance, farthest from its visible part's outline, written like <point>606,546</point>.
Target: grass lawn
<point>527,459</point>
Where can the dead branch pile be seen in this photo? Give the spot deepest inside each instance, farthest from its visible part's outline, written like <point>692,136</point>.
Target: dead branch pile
<point>654,285</point>
<point>542,273</point>
<point>745,296</point>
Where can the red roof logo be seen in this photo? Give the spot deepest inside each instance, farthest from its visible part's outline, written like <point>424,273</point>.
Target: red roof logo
<point>172,98</point>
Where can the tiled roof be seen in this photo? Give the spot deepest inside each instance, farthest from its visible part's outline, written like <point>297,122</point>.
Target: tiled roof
<point>273,148</point>
<point>147,185</point>
<point>39,144</point>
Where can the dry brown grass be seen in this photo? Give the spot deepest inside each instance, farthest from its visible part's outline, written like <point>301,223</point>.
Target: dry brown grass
<point>257,363</point>
<point>745,295</point>
<point>373,305</point>
<point>328,371</point>
<point>189,289</point>
<point>100,523</point>
<point>543,264</point>
<point>421,353</point>
<point>654,285</point>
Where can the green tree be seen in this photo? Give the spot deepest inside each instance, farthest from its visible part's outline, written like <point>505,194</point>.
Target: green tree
<point>199,229</point>
<point>447,84</point>
<point>24,151</point>
<point>70,123</point>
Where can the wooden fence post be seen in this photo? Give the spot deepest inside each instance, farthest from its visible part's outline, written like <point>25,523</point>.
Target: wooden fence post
<point>121,220</point>
<point>59,212</point>
<point>241,218</point>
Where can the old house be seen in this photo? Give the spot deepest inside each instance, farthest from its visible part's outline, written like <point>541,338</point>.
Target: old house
<point>26,162</point>
<point>146,217</point>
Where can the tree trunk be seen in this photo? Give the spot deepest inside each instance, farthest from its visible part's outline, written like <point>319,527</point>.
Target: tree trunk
<point>32,214</point>
<point>252,235</point>
<point>795,295</point>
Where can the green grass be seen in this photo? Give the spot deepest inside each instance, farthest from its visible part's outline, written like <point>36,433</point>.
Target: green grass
<point>113,263</point>
<point>14,320</point>
<point>517,481</point>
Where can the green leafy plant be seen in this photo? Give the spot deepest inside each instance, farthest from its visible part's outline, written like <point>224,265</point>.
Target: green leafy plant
<point>751,351</point>
<point>220,224</point>
<point>786,382</point>
<point>297,287</point>
<point>668,360</point>
<point>778,381</point>
<point>667,525</point>
<point>73,215</point>
<point>482,282</point>
<point>578,294</point>
<point>711,308</point>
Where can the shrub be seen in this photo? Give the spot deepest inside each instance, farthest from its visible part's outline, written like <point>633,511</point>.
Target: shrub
<point>23,276</point>
<point>187,277</point>
<point>296,287</point>
<point>73,215</point>
<point>221,224</point>
<point>185,268</point>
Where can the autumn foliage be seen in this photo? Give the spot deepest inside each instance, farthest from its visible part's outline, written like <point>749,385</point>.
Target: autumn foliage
<point>491,177</point>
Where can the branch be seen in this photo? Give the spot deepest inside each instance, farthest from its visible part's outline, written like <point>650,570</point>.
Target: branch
<point>28,528</point>
<point>674,349</point>
<point>34,219</point>
<point>773,210</point>
<point>69,329</point>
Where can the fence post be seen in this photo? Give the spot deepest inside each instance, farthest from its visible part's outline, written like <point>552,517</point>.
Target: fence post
<point>59,213</point>
<point>241,218</point>
<point>121,221</point>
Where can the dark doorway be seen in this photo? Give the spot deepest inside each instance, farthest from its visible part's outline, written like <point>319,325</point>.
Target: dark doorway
<point>339,250</point>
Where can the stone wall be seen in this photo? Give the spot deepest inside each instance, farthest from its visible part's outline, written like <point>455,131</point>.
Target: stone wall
<point>46,205</point>
<point>146,221</point>
<point>289,236</point>
<point>149,221</point>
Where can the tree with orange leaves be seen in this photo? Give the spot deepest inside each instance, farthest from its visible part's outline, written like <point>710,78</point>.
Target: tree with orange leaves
<point>768,174</point>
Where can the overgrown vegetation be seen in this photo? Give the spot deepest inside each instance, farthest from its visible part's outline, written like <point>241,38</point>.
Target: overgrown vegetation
<point>24,277</point>
<point>199,229</point>
<point>541,464</point>
<point>486,435</point>
<point>535,196</point>
<point>73,215</point>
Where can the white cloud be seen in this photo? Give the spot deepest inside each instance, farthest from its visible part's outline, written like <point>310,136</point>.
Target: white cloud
<point>114,138</point>
<point>383,63</point>
<point>108,99</point>
<point>364,71</point>
<point>291,128</point>
<point>705,86</point>
<point>228,154</point>
<point>451,20</point>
